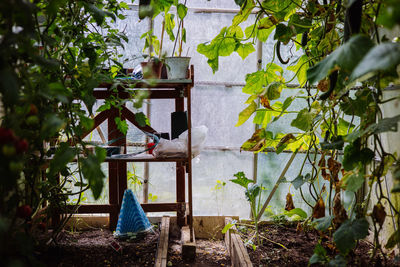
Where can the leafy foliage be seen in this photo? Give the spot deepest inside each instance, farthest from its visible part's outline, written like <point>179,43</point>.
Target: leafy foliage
<point>339,48</point>
<point>53,56</point>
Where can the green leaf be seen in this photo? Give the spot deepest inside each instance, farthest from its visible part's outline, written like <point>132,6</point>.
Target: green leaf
<point>252,192</point>
<point>91,170</point>
<point>64,154</point>
<point>52,124</point>
<point>244,12</point>
<point>141,119</point>
<point>241,180</point>
<point>300,24</point>
<point>283,33</point>
<point>296,211</point>
<point>286,104</point>
<point>98,14</point>
<point>384,125</point>
<point>359,105</point>
<point>274,90</point>
<point>246,113</point>
<point>182,11</point>
<point>240,2</point>
<point>323,223</point>
<point>383,57</point>
<point>389,14</point>
<point>254,83</point>
<point>169,25</point>
<point>353,155</point>
<point>319,255</point>
<point>348,233</point>
<point>303,121</point>
<point>300,69</point>
<point>393,240</point>
<point>344,58</point>
<point>244,50</point>
<point>122,125</point>
<point>338,261</point>
<point>300,180</point>
<point>228,226</point>
<point>9,86</point>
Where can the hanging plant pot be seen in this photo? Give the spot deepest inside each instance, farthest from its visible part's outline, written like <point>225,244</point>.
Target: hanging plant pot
<point>152,69</point>
<point>177,67</point>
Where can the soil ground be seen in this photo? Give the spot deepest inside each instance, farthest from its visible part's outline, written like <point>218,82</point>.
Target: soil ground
<point>282,245</point>
<point>95,248</point>
<point>285,245</point>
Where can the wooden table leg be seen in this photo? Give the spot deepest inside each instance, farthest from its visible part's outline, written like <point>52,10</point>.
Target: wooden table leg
<point>180,193</point>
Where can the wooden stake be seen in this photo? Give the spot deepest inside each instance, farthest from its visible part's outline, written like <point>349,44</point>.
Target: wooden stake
<point>276,185</point>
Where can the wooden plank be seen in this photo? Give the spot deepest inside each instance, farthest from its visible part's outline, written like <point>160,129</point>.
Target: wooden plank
<point>114,208</point>
<point>236,248</point>
<point>150,83</point>
<point>94,208</point>
<point>188,247</point>
<point>161,207</point>
<point>162,250</point>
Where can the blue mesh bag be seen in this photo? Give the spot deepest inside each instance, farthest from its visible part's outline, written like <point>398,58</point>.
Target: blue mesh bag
<point>132,218</point>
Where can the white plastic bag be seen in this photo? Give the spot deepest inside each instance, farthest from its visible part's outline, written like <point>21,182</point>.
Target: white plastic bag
<point>178,147</point>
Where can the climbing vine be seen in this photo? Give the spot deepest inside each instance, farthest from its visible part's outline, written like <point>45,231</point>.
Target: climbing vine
<point>346,62</point>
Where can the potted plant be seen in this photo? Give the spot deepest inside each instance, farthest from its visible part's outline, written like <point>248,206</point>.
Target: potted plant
<point>152,67</point>
<point>177,65</point>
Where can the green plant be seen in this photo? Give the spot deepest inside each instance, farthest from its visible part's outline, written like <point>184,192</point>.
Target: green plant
<point>253,196</point>
<point>218,189</point>
<point>53,55</point>
<point>342,46</point>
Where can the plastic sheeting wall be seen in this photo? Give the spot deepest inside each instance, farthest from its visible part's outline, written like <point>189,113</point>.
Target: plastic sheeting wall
<point>216,107</point>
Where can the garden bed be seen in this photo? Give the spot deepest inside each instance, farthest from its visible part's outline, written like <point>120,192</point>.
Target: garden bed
<point>287,244</point>
<point>98,247</point>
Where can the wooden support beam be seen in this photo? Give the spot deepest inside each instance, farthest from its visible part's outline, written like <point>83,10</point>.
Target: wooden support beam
<point>130,116</point>
<point>188,247</point>
<point>98,119</point>
<point>162,251</point>
<point>114,208</point>
<point>180,193</point>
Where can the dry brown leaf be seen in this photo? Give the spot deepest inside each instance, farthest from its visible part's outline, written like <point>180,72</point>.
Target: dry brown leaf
<point>323,85</point>
<point>319,209</point>
<point>299,227</point>
<point>286,139</point>
<point>289,202</point>
<point>334,167</point>
<point>379,214</point>
<point>265,102</point>
<point>338,211</point>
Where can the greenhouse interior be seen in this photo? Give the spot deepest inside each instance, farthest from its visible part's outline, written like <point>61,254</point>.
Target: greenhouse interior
<point>199,133</point>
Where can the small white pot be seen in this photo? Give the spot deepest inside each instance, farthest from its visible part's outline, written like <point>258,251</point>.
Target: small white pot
<point>177,67</point>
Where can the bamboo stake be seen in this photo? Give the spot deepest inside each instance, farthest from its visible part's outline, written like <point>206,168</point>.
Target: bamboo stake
<point>276,185</point>
<point>162,38</point>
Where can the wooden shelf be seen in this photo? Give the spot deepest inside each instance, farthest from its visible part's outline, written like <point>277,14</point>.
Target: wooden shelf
<point>145,158</point>
<point>150,83</point>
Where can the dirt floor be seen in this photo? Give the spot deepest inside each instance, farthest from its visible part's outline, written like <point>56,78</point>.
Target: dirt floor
<point>99,248</point>
<point>282,245</point>
<point>285,245</point>
<point>208,253</point>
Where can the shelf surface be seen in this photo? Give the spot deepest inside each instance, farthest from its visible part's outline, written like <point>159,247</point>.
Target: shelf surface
<point>149,83</point>
<point>143,158</point>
